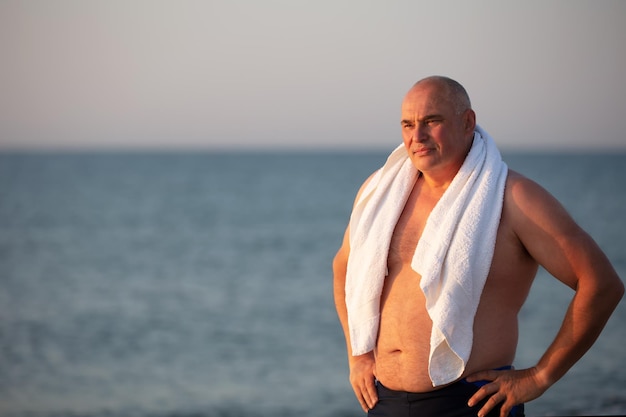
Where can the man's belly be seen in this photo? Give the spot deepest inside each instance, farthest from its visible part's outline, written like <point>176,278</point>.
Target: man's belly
<point>405,368</point>
<point>403,346</point>
<point>403,343</point>
<point>403,371</point>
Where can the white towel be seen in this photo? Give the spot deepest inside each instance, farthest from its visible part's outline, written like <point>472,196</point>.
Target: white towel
<point>453,255</point>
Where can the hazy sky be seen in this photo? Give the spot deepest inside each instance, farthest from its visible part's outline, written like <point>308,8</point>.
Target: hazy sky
<point>252,74</point>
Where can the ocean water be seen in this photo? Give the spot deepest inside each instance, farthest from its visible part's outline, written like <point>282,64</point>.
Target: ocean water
<point>184,285</point>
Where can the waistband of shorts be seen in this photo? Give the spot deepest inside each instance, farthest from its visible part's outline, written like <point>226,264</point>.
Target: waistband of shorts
<point>440,391</point>
<point>484,382</point>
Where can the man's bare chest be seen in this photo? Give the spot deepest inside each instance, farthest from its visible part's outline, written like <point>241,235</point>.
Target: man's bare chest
<point>410,226</point>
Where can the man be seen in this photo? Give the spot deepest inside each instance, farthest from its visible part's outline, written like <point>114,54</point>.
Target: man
<point>411,353</point>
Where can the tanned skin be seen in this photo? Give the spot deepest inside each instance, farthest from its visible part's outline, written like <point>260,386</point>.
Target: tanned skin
<point>534,230</point>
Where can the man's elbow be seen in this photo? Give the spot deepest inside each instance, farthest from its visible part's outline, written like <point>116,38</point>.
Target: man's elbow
<point>613,290</point>
<point>619,289</point>
<point>340,266</point>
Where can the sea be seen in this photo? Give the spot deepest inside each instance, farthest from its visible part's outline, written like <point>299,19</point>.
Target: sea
<point>199,284</point>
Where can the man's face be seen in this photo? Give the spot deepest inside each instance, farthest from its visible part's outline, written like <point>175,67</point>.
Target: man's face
<point>435,136</point>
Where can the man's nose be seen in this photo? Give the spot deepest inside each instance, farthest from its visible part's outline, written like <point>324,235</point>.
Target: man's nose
<point>419,132</point>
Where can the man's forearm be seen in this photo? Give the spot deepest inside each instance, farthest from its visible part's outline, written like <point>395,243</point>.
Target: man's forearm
<point>586,316</point>
<point>339,293</point>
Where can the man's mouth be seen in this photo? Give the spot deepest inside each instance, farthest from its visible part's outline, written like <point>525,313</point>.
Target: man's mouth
<point>421,151</point>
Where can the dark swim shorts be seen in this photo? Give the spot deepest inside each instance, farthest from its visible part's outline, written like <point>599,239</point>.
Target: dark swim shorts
<point>450,401</point>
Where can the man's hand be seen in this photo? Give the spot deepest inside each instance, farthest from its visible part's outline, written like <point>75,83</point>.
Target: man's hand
<point>506,387</point>
<point>362,371</point>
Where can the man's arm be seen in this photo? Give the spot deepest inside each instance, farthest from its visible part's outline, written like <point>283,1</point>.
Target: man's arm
<point>557,243</point>
<point>361,367</point>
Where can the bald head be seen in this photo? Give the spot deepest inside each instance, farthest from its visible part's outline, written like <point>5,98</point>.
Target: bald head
<point>438,109</point>
<point>449,90</point>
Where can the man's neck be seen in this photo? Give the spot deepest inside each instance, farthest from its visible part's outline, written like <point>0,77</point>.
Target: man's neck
<point>439,180</point>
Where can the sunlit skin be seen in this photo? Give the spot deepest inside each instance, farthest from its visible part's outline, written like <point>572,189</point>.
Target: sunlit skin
<point>436,138</point>
<point>534,230</point>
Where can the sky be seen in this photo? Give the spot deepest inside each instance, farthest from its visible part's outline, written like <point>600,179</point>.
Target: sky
<point>300,74</point>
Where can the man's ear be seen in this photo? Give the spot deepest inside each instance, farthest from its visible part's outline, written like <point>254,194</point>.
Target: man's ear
<point>469,120</point>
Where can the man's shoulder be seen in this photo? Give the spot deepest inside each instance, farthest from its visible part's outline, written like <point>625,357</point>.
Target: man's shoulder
<point>525,200</point>
<point>519,187</point>
<point>514,176</point>
<point>365,187</point>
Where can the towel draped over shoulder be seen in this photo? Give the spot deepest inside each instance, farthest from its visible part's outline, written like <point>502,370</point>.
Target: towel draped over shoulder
<point>453,255</point>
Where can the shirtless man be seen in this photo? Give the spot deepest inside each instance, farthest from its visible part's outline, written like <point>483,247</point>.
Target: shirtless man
<point>437,129</point>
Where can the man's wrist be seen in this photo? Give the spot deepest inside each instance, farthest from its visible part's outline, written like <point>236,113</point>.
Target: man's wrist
<point>543,377</point>
<point>366,357</point>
